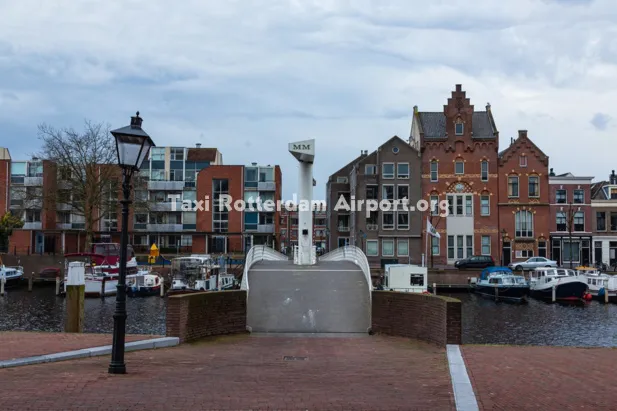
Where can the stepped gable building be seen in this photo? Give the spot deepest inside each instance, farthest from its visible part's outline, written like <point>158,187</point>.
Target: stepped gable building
<point>523,201</point>
<point>459,147</point>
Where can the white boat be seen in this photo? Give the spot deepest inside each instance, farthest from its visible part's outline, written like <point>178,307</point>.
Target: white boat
<point>102,280</point>
<point>199,272</point>
<point>11,275</point>
<point>599,283</point>
<point>144,283</point>
<point>557,284</point>
<point>406,278</point>
<point>501,283</point>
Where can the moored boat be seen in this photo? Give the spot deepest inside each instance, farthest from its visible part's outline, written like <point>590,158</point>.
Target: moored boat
<point>199,272</point>
<point>500,283</point>
<point>11,276</point>
<point>557,284</point>
<point>144,284</point>
<point>599,283</point>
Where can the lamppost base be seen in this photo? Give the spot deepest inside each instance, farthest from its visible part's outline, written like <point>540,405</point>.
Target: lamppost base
<point>117,369</point>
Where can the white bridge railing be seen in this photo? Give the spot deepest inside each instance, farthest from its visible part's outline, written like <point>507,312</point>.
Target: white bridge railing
<point>313,254</point>
<point>258,253</point>
<point>356,256</point>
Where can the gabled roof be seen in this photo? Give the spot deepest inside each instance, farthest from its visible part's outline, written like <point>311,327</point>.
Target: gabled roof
<point>433,124</point>
<point>404,143</point>
<point>522,138</point>
<point>340,170</point>
<point>597,192</point>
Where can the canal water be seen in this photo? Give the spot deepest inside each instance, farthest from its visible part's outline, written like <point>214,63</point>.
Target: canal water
<point>590,324</point>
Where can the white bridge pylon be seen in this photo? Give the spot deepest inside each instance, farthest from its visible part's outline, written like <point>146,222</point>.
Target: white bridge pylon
<point>304,152</point>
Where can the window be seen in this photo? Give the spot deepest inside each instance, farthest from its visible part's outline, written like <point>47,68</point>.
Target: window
<point>220,215</point>
<point>157,175</point>
<point>403,220</point>
<point>579,197</point>
<point>343,241</point>
<point>177,153</point>
<point>561,221</point>
<point>534,186</point>
<point>370,169</point>
<point>157,153</point>
<point>435,245</point>
<point>513,186</point>
<point>468,206</point>
<point>342,180</point>
<point>435,205</point>
<point>579,221</point>
<point>484,170</point>
<point>387,222</point>
<point>560,196</point>
<point>523,224</point>
<point>250,176</point>
<point>613,221</point>
<point>522,161</point>
<point>372,192</point>
<point>387,248</point>
<point>542,248</point>
<point>266,174</point>
<point>600,220</point>
<point>402,248</point>
<point>33,216</point>
<point>434,170</point>
<point>459,246</point>
<point>485,205</point>
<point>458,129</point>
<point>486,245</point>
<point>451,247</point>
<point>387,170</point>
<point>372,248</point>
<point>387,192</point>
<point>402,170</point>
<point>460,204</point>
<point>469,244</point>
<point>402,191</point>
<point>176,175</point>
<point>524,253</point>
<point>459,167</point>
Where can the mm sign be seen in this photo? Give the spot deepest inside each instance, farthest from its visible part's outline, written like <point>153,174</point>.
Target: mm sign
<point>301,146</point>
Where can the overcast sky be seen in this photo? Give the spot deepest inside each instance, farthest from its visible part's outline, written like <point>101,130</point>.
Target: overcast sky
<point>250,76</point>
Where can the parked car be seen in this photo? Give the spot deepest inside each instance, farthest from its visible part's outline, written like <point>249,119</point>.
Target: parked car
<point>532,263</point>
<point>475,261</point>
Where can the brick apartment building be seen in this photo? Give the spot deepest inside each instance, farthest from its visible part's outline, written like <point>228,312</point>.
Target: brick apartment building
<point>459,148</point>
<point>570,198</point>
<point>604,220</point>
<point>392,172</point>
<point>289,228</point>
<point>523,202</point>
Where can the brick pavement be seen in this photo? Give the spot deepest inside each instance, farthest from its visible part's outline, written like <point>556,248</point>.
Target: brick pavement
<point>244,372</point>
<point>19,344</point>
<point>542,378</point>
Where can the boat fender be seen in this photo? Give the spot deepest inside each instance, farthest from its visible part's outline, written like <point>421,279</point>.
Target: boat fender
<point>588,297</point>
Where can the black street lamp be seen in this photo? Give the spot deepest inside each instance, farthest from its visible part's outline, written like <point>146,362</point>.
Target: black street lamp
<point>504,233</point>
<point>133,145</point>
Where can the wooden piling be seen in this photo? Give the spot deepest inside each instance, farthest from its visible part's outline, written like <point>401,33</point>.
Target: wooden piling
<point>103,288</point>
<point>606,293</point>
<point>554,293</point>
<point>2,282</point>
<point>435,288</point>
<point>75,293</point>
<point>496,293</point>
<point>30,281</point>
<point>58,285</point>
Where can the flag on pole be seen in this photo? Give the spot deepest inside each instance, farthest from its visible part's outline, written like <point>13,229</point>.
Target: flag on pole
<point>431,230</point>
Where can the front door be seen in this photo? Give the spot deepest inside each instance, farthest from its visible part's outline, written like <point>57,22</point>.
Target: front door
<point>507,253</point>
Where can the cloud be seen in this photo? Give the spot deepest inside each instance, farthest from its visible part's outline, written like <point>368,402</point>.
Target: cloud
<point>250,76</point>
<point>600,121</point>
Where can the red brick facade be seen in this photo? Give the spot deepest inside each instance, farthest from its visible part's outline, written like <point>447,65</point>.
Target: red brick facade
<point>524,212</point>
<point>5,178</point>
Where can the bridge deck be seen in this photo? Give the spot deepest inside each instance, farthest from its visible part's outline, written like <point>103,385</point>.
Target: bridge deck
<point>330,297</point>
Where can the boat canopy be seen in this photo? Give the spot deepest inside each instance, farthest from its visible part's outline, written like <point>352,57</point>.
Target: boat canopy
<point>491,270</point>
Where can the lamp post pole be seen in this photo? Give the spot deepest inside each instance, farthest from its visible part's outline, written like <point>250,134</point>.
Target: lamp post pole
<point>117,365</point>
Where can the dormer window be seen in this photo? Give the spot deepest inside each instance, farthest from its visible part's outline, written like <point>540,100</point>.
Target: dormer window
<point>459,128</point>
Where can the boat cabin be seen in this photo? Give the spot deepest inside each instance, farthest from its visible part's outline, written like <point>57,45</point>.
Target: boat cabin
<point>501,276</point>
<point>547,274</point>
<point>406,278</point>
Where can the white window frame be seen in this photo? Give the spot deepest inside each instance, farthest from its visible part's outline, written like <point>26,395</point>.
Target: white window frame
<point>522,161</point>
<point>464,197</point>
<point>398,225</point>
<point>488,197</point>
<point>398,173</point>
<point>436,163</point>
<point>342,180</point>
<point>388,176</point>
<point>451,247</point>
<point>398,244</point>
<point>368,168</point>
<point>456,163</point>
<point>518,224</point>
<point>518,187</point>
<point>383,188</point>
<point>578,190</point>
<point>456,131</point>
<point>376,248</point>
<point>394,220</point>
<point>396,192</point>
<point>482,245</point>
<point>537,185</point>
<point>435,244</point>
<point>434,204</point>
<point>383,243</point>
<point>482,176</point>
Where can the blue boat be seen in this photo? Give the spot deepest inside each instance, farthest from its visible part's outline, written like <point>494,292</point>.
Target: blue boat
<point>500,283</point>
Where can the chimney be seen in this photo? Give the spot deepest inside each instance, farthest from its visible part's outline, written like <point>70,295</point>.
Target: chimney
<point>552,173</point>
<point>511,140</point>
<point>253,164</point>
<point>459,87</point>
<point>522,133</point>
<point>613,177</point>
<point>136,121</point>
<point>198,145</point>
<point>488,106</point>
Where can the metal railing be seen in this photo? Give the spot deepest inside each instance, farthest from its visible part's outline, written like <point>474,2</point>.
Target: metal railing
<point>356,256</point>
<point>255,254</point>
<point>297,254</point>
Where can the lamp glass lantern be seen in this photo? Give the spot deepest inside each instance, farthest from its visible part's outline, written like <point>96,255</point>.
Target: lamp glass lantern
<point>132,149</point>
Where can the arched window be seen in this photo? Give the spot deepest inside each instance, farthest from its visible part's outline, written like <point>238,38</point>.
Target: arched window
<point>524,224</point>
<point>434,170</point>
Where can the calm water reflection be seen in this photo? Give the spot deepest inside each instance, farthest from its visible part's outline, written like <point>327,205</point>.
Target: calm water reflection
<point>41,310</point>
<point>591,324</point>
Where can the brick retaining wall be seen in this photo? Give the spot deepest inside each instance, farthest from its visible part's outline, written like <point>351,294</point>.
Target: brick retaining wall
<point>198,315</point>
<point>426,317</point>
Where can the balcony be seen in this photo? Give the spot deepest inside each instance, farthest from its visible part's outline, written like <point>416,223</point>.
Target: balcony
<point>17,180</point>
<point>16,204</point>
<point>33,181</point>
<point>63,207</point>
<point>167,206</point>
<point>63,226</point>
<point>265,228</point>
<point>165,227</point>
<point>343,229</point>
<point>33,226</point>
<point>372,227</point>
<point>140,226</point>
<point>78,226</point>
<point>165,185</point>
<point>266,186</point>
